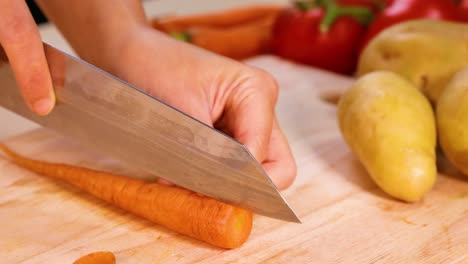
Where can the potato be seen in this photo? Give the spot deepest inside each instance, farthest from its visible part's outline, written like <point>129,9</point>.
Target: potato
<point>452,121</point>
<point>389,125</point>
<point>426,52</point>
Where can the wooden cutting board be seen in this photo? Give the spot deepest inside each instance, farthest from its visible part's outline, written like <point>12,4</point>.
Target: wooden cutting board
<point>346,218</point>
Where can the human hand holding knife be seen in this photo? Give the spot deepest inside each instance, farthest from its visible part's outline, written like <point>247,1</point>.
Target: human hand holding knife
<point>233,97</point>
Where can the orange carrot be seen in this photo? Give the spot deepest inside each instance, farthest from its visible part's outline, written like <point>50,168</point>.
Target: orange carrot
<point>239,42</point>
<point>219,19</point>
<point>176,208</point>
<point>100,257</point>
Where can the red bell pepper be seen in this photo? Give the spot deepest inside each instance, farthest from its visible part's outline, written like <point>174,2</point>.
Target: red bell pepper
<point>375,5</point>
<point>402,10</point>
<point>321,33</point>
<point>464,10</point>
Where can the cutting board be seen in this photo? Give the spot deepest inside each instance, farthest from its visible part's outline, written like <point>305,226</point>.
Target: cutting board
<point>346,217</point>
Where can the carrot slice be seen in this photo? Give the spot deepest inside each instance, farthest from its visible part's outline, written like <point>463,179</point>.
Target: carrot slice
<point>100,257</point>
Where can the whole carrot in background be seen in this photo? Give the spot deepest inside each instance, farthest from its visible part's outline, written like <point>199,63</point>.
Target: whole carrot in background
<point>237,33</point>
<point>219,19</point>
<point>178,209</point>
<point>239,42</point>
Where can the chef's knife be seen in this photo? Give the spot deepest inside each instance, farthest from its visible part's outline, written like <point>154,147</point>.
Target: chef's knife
<point>111,116</point>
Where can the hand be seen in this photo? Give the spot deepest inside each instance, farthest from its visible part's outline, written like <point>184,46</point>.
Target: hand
<point>228,95</point>
<point>233,97</point>
<point>22,44</point>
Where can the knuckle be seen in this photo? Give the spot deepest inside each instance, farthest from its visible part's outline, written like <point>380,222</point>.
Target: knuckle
<point>293,173</point>
<point>16,28</point>
<point>34,84</point>
<point>288,171</point>
<point>289,177</point>
<point>268,83</point>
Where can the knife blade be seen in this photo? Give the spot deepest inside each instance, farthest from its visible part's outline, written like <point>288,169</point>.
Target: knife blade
<point>119,120</point>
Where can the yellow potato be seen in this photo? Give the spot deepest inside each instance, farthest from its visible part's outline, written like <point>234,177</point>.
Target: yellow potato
<point>389,125</point>
<point>426,52</point>
<point>452,121</point>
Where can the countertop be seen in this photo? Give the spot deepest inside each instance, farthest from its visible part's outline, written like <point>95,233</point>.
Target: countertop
<point>345,217</point>
<point>14,124</point>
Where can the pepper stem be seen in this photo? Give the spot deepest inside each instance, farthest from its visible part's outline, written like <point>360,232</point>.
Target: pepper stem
<point>305,5</point>
<point>362,14</point>
<point>380,4</point>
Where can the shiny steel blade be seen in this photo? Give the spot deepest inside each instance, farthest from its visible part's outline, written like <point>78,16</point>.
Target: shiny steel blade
<point>119,120</point>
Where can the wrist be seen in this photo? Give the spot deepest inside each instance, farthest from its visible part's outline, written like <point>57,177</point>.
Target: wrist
<point>106,51</point>
<point>140,46</point>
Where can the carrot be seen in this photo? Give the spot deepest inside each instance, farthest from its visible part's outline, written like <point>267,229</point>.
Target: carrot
<point>100,257</point>
<point>178,209</point>
<point>219,19</point>
<point>239,42</point>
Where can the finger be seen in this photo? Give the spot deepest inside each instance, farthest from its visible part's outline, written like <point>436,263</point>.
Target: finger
<point>250,120</point>
<point>280,164</point>
<point>22,43</point>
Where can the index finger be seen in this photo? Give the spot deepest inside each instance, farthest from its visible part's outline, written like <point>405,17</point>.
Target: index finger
<point>23,46</point>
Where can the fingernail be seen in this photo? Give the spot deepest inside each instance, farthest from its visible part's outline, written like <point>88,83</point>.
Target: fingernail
<point>42,106</point>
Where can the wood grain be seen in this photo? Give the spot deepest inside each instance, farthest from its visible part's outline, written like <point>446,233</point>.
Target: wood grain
<point>346,218</point>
